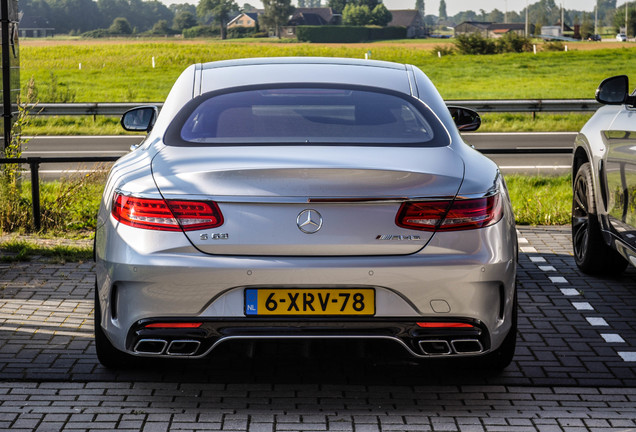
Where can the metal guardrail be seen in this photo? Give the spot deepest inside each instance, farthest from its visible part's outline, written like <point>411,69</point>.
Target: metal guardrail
<point>35,161</point>
<point>34,166</point>
<point>483,106</point>
<point>529,105</point>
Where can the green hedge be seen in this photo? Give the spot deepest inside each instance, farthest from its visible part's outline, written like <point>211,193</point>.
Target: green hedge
<point>344,34</point>
<point>200,31</point>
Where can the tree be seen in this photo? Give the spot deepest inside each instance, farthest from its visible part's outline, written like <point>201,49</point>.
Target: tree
<point>161,27</point>
<point>619,20</point>
<point>419,5</point>
<point>371,4</point>
<point>337,5</point>
<point>587,27</point>
<point>184,20</point>
<point>381,16</point>
<point>442,10</point>
<point>355,15</point>
<point>120,26</point>
<point>276,14</point>
<point>220,11</point>
<point>495,16</point>
<point>67,15</point>
<point>248,8</point>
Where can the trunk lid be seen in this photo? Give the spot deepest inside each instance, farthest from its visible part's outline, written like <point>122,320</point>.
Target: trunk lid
<point>308,201</point>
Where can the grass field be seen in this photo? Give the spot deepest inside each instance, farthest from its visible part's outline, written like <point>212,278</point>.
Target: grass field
<point>118,71</point>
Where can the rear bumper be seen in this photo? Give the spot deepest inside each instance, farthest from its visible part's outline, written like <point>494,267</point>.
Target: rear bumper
<point>467,276</point>
<point>199,342</point>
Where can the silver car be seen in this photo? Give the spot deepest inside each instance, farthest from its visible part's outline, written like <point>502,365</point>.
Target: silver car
<point>306,198</point>
<point>604,186</point>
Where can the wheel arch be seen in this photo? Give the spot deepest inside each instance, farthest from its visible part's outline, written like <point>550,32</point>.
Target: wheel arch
<point>579,158</point>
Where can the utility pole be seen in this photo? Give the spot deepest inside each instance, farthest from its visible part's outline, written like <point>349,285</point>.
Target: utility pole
<point>526,18</point>
<point>626,4</point>
<point>506,12</point>
<point>10,66</point>
<point>596,18</point>
<point>562,17</point>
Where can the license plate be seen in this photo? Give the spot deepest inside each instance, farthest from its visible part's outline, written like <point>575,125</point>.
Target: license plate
<point>349,301</point>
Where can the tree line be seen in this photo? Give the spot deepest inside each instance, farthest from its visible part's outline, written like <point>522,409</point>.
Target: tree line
<point>122,17</point>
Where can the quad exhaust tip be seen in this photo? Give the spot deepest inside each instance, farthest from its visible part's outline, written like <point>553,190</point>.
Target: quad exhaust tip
<point>177,348</point>
<point>441,347</point>
<point>183,347</point>
<point>151,346</point>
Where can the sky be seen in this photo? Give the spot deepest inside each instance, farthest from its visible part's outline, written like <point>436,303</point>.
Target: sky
<point>452,6</point>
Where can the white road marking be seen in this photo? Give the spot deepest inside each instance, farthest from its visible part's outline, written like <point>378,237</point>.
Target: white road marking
<point>597,322</point>
<point>558,279</point>
<point>612,338</point>
<point>570,292</point>
<point>628,356</point>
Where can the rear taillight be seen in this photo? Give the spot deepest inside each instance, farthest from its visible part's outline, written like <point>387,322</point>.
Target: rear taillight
<point>166,215</point>
<point>452,215</point>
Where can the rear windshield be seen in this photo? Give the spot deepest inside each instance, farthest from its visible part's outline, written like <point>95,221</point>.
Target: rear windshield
<point>326,116</point>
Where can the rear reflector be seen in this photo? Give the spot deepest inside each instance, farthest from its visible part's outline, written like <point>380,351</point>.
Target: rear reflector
<point>444,325</point>
<point>174,325</point>
<point>451,215</point>
<point>166,215</point>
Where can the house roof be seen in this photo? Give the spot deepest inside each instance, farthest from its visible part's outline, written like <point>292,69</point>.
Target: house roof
<point>325,13</point>
<point>405,17</point>
<point>506,27</point>
<point>30,21</point>
<point>481,24</point>
<point>252,15</point>
<point>307,18</point>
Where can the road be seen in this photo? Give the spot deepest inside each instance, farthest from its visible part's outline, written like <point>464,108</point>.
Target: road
<point>574,369</point>
<point>509,163</point>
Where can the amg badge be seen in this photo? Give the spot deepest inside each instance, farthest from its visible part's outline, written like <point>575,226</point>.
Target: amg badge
<point>398,237</point>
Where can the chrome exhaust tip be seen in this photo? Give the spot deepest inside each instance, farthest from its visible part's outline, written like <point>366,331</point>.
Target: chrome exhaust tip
<point>467,346</point>
<point>150,346</point>
<point>183,347</point>
<point>435,347</point>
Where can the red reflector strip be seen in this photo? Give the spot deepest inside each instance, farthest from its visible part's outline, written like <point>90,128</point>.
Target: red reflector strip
<point>166,215</point>
<point>444,325</point>
<point>174,325</point>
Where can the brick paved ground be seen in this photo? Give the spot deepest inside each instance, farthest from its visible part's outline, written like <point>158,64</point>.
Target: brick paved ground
<point>575,368</point>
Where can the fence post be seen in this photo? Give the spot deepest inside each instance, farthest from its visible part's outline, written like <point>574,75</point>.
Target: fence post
<point>34,163</point>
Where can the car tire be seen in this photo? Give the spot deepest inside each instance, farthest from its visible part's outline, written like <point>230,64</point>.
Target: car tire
<point>109,356</point>
<point>591,254</point>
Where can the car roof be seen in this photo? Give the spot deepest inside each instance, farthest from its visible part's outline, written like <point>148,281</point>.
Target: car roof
<point>290,70</point>
<point>302,60</point>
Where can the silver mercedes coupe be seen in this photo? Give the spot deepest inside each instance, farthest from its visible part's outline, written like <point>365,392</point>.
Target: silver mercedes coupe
<point>305,198</point>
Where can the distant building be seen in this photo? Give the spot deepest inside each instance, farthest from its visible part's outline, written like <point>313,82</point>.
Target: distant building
<point>310,17</point>
<point>35,26</point>
<point>245,19</point>
<point>412,19</point>
<point>492,30</point>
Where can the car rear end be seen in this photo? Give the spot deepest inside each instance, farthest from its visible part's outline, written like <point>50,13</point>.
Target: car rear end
<point>240,233</point>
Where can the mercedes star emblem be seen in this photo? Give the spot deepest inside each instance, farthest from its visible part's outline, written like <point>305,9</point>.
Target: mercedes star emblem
<point>309,221</point>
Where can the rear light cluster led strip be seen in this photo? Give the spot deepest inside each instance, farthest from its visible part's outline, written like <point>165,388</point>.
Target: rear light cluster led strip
<point>166,215</point>
<point>175,215</point>
<point>450,215</point>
